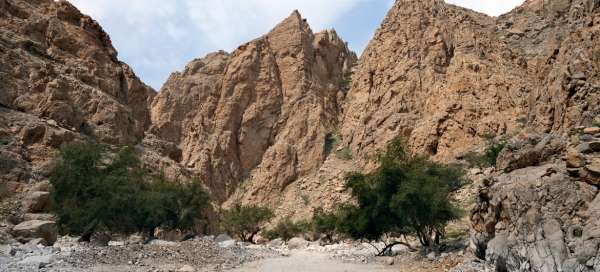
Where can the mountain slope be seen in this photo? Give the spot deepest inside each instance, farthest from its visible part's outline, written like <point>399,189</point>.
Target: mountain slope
<point>260,114</point>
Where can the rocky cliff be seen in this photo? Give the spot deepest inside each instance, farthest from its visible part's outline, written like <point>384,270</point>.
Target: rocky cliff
<point>258,116</point>
<point>60,79</point>
<point>275,122</point>
<point>445,77</point>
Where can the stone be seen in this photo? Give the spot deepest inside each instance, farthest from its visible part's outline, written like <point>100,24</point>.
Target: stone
<point>186,268</point>
<point>595,146</point>
<point>35,202</point>
<point>591,130</point>
<point>432,256</point>
<point>297,243</point>
<point>594,168</point>
<point>100,239</point>
<point>163,243</point>
<point>574,160</point>
<point>7,250</point>
<point>227,243</point>
<point>39,216</point>
<point>46,230</point>
<point>170,235</point>
<point>584,148</point>
<point>37,261</point>
<point>222,237</point>
<point>276,242</point>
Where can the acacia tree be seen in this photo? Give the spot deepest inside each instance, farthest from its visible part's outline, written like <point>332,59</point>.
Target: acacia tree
<point>406,195</point>
<point>245,221</point>
<point>95,189</point>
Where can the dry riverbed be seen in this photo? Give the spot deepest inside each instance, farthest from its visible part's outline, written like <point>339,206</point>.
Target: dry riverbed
<point>204,254</point>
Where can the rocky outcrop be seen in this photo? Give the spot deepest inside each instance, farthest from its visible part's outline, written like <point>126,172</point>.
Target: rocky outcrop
<point>60,65</point>
<point>444,77</point>
<point>260,115</point>
<point>541,218</point>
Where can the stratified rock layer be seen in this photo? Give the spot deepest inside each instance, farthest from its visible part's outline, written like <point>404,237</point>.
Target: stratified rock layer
<point>260,114</point>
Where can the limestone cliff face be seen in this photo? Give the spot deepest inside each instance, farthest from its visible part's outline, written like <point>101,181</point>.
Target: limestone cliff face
<point>444,77</point>
<point>260,114</point>
<point>59,64</point>
<point>60,80</point>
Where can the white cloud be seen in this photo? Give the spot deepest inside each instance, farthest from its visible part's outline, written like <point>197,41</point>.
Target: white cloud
<point>491,7</point>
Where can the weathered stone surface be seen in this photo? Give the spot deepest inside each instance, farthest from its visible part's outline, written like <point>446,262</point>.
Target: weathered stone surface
<point>591,130</point>
<point>260,114</point>
<point>33,229</point>
<point>529,150</point>
<point>444,77</point>
<point>36,202</point>
<point>297,243</point>
<point>530,218</point>
<point>62,66</point>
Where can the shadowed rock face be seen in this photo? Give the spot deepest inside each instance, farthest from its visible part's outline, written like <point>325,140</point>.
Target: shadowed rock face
<point>259,114</point>
<point>59,64</point>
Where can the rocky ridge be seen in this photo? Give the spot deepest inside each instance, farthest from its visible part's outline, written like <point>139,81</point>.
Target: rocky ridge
<point>258,116</point>
<point>274,123</point>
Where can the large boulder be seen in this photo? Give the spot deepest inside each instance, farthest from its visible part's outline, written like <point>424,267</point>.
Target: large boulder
<point>537,219</point>
<point>29,230</point>
<point>529,150</point>
<point>35,202</point>
<point>297,243</point>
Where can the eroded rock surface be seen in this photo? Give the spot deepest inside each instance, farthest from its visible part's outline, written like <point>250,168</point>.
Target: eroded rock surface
<point>259,115</point>
<point>59,64</point>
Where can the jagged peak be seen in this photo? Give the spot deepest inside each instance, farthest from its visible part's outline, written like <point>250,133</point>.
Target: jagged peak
<point>294,21</point>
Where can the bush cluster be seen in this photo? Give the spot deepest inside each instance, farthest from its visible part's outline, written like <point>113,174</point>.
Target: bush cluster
<point>245,222</point>
<point>95,190</point>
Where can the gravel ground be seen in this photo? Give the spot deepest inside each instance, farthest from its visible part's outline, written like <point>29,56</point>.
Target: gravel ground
<point>203,254</point>
<point>69,256</point>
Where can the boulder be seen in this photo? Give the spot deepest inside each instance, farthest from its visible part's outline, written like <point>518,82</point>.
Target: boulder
<point>100,239</point>
<point>222,238</point>
<point>227,243</point>
<point>574,160</point>
<point>595,146</point>
<point>591,130</point>
<point>29,230</point>
<point>297,243</point>
<point>170,235</point>
<point>276,242</point>
<point>529,151</point>
<point>35,202</point>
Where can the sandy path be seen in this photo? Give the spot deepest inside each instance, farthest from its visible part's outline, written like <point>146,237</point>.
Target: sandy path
<point>302,261</point>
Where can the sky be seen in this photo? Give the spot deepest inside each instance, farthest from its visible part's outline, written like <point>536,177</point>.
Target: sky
<point>158,37</point>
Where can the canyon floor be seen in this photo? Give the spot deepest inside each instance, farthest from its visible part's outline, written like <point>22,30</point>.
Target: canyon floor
<point>205,254</point>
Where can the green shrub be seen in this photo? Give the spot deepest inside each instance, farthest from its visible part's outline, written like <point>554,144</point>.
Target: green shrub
<point>95,190</point>
<point>287,229</point>
<point>332,141</point>
<point>324,224</point>
<point>245,221</point>
<point>406,195</point>
<point>489,156</point>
